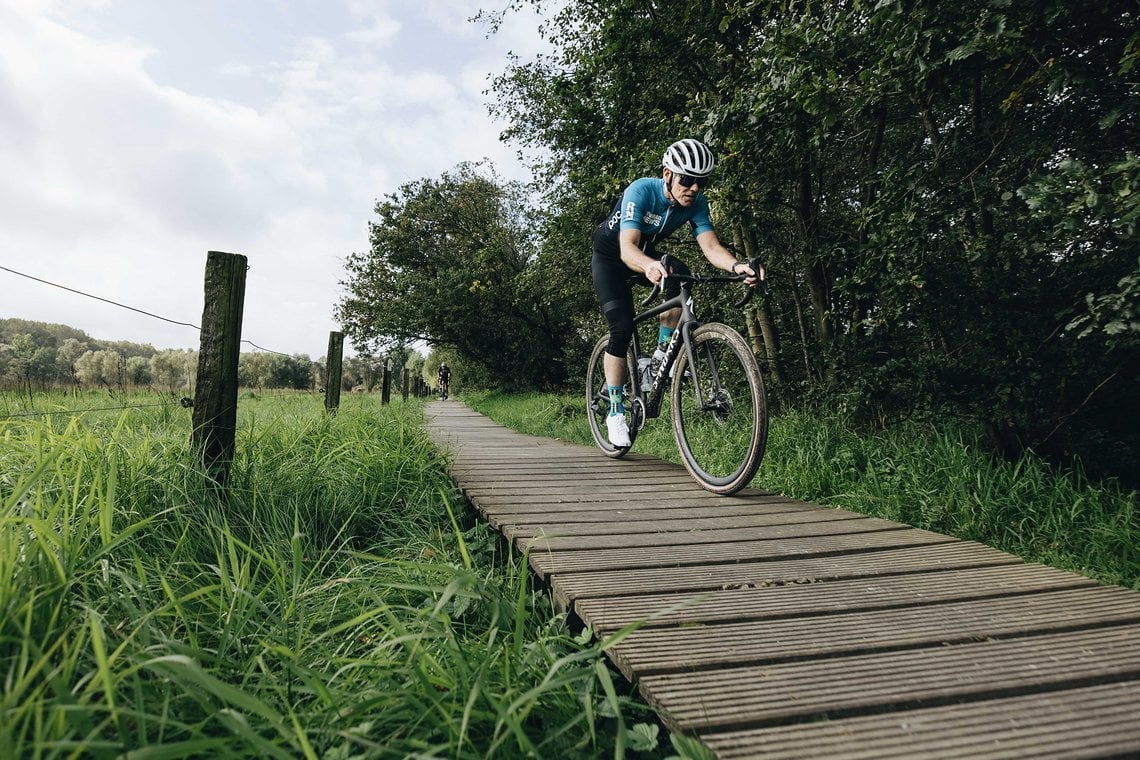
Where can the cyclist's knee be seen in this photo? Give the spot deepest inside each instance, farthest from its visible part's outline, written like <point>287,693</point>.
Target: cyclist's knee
<point>620,338</point>
<point>619,317</point>
<point>617,348</point>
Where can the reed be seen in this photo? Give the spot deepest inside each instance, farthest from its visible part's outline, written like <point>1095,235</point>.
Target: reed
<point>336,602</point>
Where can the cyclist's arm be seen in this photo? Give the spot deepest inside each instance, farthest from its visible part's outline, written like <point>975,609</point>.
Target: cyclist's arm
<point>722,258</point>
<point>634,258</point>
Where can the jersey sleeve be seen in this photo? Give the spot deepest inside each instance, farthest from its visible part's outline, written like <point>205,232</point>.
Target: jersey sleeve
<point>635,201</point>
<point>702,217</point>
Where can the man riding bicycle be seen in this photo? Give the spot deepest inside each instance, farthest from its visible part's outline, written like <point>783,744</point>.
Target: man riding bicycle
<point>444,379</point>
<point>624,254</point>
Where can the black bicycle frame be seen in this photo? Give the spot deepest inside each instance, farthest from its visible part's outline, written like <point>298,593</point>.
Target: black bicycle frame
<point>685,326</point>
<point>688,322</point>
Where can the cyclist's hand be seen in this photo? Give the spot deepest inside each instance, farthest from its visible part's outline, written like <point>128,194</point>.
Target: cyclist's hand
<point>751,276</point>
<point>655,272</point>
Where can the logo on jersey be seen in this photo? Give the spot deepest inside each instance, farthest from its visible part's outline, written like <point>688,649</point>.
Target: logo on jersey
<point>649,219</point>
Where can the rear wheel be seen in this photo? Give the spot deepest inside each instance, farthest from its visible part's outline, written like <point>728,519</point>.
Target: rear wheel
<point>720,414</point>
<point>598,399</point>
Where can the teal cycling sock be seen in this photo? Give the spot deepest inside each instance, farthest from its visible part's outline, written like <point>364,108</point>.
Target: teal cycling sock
<point>664,334</point>
<point>616,405</point>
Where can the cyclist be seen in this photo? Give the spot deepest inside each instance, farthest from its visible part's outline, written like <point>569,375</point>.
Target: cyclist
<point>624,254</point>
<point>444,379</point>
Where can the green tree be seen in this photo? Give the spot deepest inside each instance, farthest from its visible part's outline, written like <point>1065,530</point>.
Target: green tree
<point>294,372</point>
<point>254,369</point>
<point>174,370</point>
<point>944,194</point>
<point>452,263</point>
<point>24,361</point>
<point>100,368</point>
<point>66,355</point>
<point>137,371</point>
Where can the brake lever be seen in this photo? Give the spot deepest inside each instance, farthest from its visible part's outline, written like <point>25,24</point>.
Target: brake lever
<point>754,265</point>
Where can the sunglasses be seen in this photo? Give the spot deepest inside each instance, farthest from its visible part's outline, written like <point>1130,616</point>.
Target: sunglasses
<point>687,180</point>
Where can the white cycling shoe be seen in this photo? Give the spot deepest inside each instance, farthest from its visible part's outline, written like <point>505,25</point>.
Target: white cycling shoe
<point>618,430</point>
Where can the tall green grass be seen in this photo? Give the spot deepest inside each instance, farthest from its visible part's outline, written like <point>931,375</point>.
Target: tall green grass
<point>940,479</point>
<point>335,603</point>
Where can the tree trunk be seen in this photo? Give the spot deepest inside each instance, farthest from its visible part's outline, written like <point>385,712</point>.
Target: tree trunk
<point>878,128</point>
<point>760,318</point>
<point>808,374</point>
<point>819,288</point>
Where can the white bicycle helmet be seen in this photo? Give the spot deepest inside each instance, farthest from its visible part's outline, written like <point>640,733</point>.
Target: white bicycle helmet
<point>690,157</point>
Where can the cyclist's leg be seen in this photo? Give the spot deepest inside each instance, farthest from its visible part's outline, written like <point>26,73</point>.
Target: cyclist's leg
<point>612,286</point>
<point>670,318</point>
<point>615,296</point>
<point>598,401</point>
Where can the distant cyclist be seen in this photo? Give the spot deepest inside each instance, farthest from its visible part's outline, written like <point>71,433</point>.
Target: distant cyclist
<point>624,254</point>
<point>444,379</point>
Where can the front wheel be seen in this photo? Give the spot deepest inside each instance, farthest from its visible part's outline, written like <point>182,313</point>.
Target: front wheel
<point>720,413</point>
<point>598,399</point>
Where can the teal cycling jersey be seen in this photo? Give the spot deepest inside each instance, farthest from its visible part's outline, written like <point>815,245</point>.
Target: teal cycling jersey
<point>645,207</point>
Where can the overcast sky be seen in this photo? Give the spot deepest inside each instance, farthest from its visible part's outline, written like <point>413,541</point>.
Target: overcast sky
<point>136,135</point>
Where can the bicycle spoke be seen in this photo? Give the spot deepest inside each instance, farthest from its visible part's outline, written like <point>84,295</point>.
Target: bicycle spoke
<point>719,410</point>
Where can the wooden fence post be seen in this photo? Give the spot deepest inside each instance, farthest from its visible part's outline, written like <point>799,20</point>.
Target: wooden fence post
<point>333,372</point>
<point>405,383</point>
<point>386,391</point>
<point>215,397</point>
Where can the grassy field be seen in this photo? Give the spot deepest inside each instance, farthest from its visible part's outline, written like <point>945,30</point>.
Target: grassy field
<point>335,602</point>
<point>932,478</point>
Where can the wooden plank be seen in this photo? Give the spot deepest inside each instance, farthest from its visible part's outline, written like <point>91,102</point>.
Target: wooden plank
<point>779,694</point>
<point>584,484</point>
<point>570,501</point>
<point>778,628</point>
<point>529,510</point>
<point>1094,721</point>
<point>549,562</point>
<point>505,517</point>
<point>562,472</point>
<point>646,500</point>
<point>571,588</point>
<point>608,614</point>
<point>492,466</point>
<point>609,522</point>
<point>662,538</point>
<point>664,650</point>
<point>583,518</point>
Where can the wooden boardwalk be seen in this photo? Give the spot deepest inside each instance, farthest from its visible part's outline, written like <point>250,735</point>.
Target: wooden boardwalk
<point>776,628</point>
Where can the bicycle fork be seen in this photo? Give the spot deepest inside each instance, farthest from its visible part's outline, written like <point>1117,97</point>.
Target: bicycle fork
<point>706,383</point>
<point>661,378</point>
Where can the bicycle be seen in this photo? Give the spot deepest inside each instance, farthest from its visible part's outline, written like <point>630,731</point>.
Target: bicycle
<point>717,402</point>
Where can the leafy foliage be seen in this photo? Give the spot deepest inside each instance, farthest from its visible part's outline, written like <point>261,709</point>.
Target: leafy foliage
<point>944,195</point>
<point>454,262</point>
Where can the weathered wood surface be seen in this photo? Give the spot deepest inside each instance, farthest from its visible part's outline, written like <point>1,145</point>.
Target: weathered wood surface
<point>770,627</point>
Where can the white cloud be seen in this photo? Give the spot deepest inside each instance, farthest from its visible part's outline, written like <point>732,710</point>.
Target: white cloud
<point>137,139</point>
